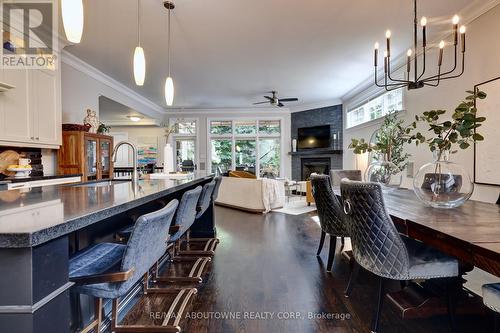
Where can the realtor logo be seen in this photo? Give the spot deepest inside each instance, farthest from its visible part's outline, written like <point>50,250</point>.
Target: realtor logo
<point>29,35</point>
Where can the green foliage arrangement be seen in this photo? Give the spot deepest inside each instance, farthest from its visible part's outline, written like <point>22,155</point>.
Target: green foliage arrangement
<point>390,139</point>
<point>461,130</point>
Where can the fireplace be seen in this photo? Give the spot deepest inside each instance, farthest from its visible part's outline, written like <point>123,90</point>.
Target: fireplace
<point>315,165</point>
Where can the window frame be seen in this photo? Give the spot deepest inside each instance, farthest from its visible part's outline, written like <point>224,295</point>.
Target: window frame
<point>365,102</point>
<point>234,137</point>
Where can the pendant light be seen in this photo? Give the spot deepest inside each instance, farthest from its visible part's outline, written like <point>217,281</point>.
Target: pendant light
<point>169,82</point>
<point>72,17</point>
<point>139,58</point>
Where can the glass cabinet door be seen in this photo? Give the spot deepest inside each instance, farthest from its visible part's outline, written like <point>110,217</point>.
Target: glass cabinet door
<point>91,158</point>
<point>105,155</point>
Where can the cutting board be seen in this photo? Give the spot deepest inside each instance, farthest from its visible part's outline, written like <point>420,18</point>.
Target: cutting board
<point>7,158</point>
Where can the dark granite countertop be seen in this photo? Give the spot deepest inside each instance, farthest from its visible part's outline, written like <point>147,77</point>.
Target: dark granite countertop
<point>35,178</point>
<point>30,217</point>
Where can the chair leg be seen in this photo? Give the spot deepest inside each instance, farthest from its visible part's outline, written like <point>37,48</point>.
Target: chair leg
<point>352,279</point>
<point>380,303</point>
<point>95,325</point>
<point>321,242</point>
<point>331,254</point>
<point>450,295</point>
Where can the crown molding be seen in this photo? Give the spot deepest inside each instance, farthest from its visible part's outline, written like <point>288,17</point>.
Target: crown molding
<point>257,111</point>
<point>469,13</point>
<point>316,105</point>
<point>82,66</point>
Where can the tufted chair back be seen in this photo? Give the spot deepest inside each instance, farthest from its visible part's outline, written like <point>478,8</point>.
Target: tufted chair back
<point>186,212</point>
<point>337,175</point>
<point>205,199</point>
<point>218,181</point>
<point>147,243</point>
<point>329,208</point>
<point>376,243</point>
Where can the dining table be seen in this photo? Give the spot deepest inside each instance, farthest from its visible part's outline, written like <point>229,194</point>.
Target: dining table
<point>470,233</point>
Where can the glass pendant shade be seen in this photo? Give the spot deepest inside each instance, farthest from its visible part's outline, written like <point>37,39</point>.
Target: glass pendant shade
<point>139,66</point>
<point>72,17</point>
<point>169,91</point>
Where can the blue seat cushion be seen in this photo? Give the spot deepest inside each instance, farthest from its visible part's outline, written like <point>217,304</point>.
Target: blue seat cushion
<point>96,259</point>
<point>427,262</point>
<point>491,296</point>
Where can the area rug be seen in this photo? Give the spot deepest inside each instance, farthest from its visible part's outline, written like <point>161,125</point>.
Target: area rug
<point>296,206</point>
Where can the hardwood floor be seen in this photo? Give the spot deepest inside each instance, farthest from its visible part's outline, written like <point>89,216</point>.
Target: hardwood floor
<point>265,270</point>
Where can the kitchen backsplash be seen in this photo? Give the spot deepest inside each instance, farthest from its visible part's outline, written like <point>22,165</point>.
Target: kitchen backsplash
<point>34,154</point>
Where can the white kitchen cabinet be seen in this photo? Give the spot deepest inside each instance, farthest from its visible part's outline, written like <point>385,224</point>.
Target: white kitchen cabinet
<point>16,123</point>
<point>30,113</point>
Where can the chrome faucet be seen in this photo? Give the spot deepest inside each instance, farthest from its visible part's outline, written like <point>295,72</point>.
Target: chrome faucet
<point>135,173</point>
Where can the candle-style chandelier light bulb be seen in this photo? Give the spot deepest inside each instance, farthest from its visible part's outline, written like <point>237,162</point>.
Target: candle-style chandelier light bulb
<point>418,58</point>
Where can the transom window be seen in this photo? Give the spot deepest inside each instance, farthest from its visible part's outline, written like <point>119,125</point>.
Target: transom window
<point>246,145</point>
<point>376,108</point>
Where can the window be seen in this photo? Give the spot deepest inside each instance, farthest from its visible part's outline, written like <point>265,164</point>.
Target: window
<point>376,108</point>
<point>186,127</point>
<point>221,127</point>
<point>246,145</point>
<point>222,152</point>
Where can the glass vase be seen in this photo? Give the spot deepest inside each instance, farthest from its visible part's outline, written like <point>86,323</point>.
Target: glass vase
<point>443,184</point>
<point>385,173</point>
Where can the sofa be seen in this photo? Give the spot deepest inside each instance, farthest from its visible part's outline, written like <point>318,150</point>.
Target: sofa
<point>251,195</point>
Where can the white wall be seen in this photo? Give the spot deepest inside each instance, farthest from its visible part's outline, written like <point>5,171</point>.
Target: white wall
<point>482,63</point>
<point>203,115</point>
<point>82,85</point>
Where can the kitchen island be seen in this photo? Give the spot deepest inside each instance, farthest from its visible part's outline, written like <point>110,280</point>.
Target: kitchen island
<point>40,228</point>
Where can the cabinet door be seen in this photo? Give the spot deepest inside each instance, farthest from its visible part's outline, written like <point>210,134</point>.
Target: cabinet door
<point>45,108</point>
<point>15,120</point>
<point>91,158</point>
<point>105,146</point>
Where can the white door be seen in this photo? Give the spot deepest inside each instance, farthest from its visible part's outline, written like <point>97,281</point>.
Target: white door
<point>123,155</point>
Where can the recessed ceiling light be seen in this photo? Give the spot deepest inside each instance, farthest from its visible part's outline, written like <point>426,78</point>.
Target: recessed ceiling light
<point>135,118</point>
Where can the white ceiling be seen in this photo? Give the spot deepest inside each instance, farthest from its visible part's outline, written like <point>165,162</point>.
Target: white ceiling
<point>228,53</point>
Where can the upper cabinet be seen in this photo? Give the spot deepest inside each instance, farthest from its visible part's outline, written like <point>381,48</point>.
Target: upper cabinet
<point>30,113</point>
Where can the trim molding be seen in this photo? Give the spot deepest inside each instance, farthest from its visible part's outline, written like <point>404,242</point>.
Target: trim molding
<point>80,65</point>
<point>317,105</point>
<point>233,111</point>
<point>37,305</point>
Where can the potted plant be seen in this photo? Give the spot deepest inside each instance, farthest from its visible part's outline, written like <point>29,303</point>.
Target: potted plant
<point>386,148</point>
<point>442,183</point>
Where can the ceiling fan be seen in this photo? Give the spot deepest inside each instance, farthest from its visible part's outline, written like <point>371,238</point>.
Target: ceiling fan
<point>274,100</point>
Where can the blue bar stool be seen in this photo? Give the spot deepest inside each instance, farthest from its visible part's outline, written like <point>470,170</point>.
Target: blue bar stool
<point>206,199</point>
<point>108,270</point>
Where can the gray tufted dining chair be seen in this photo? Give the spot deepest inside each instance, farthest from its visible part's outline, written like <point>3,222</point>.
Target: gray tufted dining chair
<point>379,248</point>
<point>330,215</point>
<point>491,298</point>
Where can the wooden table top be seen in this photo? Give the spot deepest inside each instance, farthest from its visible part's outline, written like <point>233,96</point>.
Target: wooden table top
<point>470,232</point>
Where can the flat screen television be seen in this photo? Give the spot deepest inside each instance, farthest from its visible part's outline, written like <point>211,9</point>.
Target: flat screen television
<point>314,137</point>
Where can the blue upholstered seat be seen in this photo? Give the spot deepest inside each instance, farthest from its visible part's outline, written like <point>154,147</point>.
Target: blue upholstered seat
<point>205,199</point>
<point>147,243</point>
<point>96,259</point>
<point>215,194</point>
<point>491,296</point>
<point>186,212</point>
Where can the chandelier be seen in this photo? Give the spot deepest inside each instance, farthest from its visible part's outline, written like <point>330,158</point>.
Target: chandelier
<point>419,80</point>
